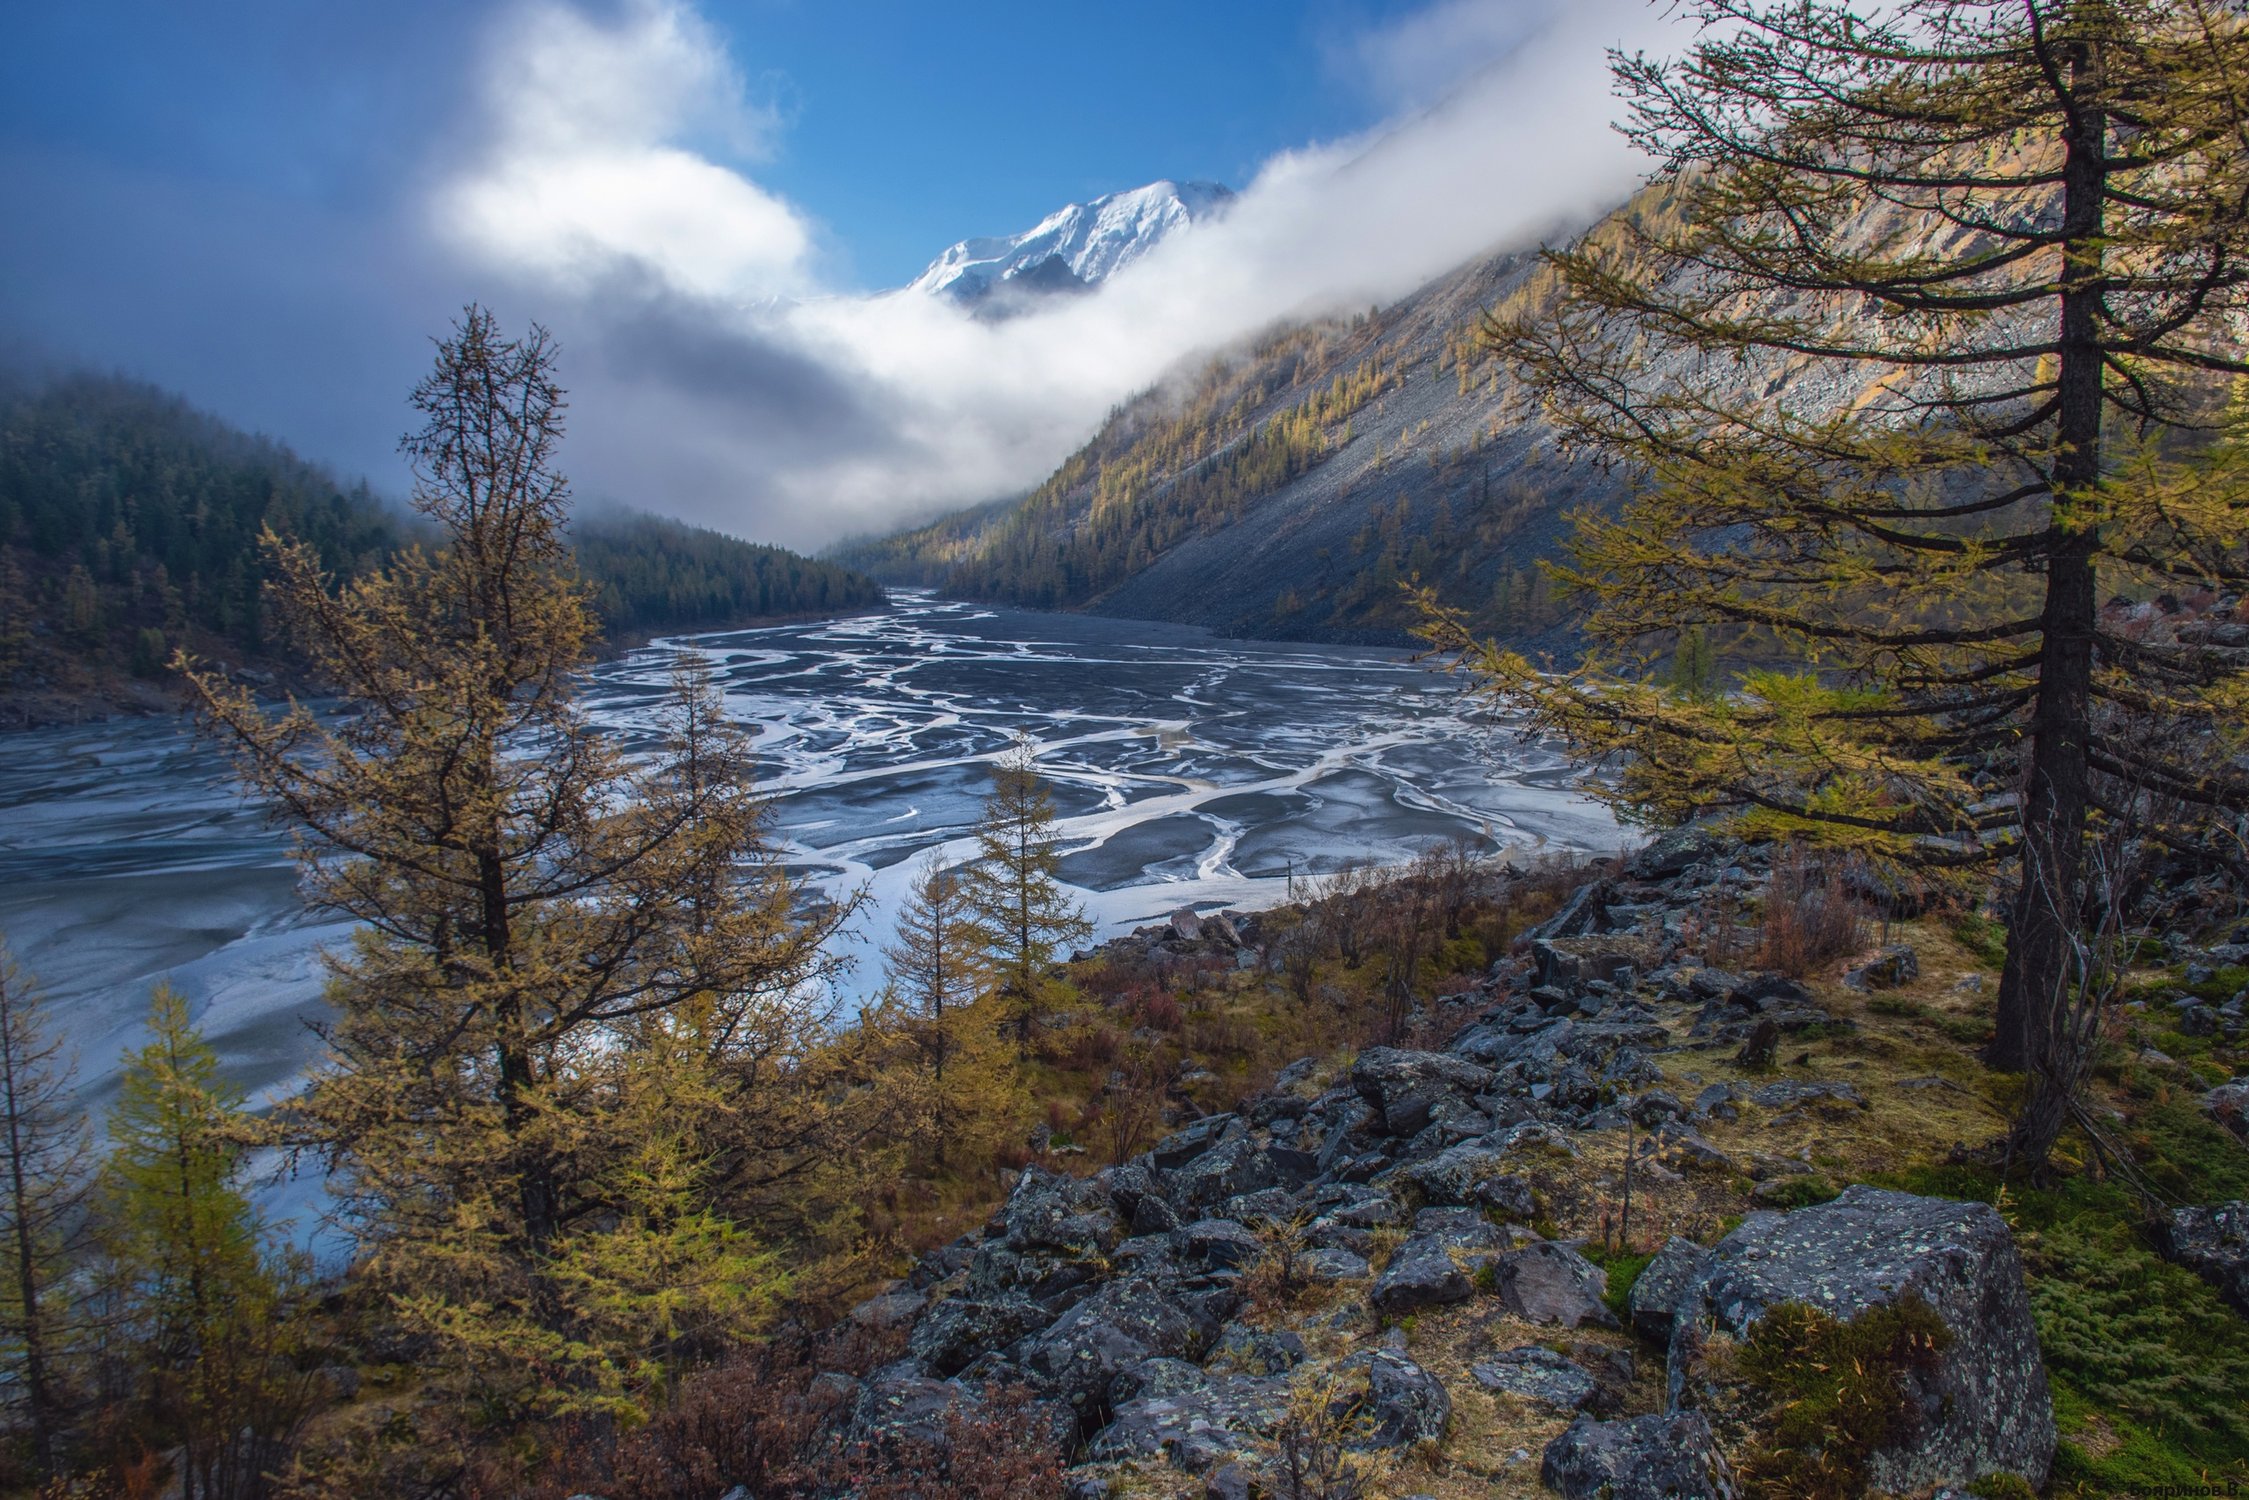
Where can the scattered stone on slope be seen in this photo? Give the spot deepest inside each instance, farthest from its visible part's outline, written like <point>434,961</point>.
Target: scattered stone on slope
<point>2213,1242</point>
<point>1895,965</point>
<point>1398,1404</point>
<point>1662,1456</point>
<point>1984,1406</point>
<point>1195,1430</point>
<point>1540,1376</point>
<point>1552,1283</point>
<point>2228,1104</point>
<point>1437,1265</point>
<point>1661,1285</point>
<point>1403,1087</point>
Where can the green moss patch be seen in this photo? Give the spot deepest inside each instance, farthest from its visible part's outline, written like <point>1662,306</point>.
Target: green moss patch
<point>1837,1393</point>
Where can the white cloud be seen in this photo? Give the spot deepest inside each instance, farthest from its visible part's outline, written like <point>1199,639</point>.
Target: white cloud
<point>586,173</point>
<point>712,378</point>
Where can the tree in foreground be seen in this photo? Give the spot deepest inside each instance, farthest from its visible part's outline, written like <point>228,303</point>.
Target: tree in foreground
<point>1915,353</point>
<point>200,1307</point>
<point>1023,916</point>
<point>45,1170</point>
<point>934,966</point>
<point>536,909</point>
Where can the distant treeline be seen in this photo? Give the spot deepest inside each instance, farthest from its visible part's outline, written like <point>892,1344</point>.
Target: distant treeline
<point>657,574</point>
<point>129,524</point>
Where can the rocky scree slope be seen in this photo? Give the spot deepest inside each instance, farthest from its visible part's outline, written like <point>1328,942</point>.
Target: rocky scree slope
<point>1279,1269</point>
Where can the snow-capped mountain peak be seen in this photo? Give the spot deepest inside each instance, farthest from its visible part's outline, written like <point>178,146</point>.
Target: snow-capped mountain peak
<point>1089,241</point>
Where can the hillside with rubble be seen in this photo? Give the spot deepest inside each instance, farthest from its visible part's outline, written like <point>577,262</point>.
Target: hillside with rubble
<point>1689,1191</point>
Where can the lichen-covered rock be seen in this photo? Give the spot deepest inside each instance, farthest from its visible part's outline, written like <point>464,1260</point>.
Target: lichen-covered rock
<point>2213,1242</point>
<point>1402,1086</point>
<point>2228,1104</point>
<point>1655,1295</point>
<point>1551,1283</point>
<point>1453,1174</point>
<point>1392,1401</point>
<point>1662,1456</point>
<point>1195,1430</point>
<point>1982,1403</point>
<point>1225,1171</point>
<point>896,1407</point>
<point>1438,1264</point>
<point>1895,965</point>
<point>1220,1243</point>
<point>1050,1210</point>
<point>1540,1376</point>
<point>957,1329</point>
<point>1124,1322</point>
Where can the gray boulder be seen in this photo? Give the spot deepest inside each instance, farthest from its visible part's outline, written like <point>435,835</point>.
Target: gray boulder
<point>958,1329</point>
<point>1661,1284</point>
<point>1438,1264</point>
<point>1402,1086</point>
<point>1895,965</point>
<point>1219,1243</point>
<point>2228,1104</point>
<point>1226,1171</point>
<point>1121,1324</point>
<point>1539,1376</point>
<point>1453,1174</point>
<point>1399,1404</point>
<point>895,1407</point>
<point>1983,1404</point>
<point>1196,1430</point>
<point>1662,1456</point>
<point>2213,1242</point>
<point>1551,1283</point>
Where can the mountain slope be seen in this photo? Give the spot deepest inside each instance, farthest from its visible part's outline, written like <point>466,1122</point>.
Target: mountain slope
<point>1290,488</point>
<point>1075,247</point>
<point>129,525</point>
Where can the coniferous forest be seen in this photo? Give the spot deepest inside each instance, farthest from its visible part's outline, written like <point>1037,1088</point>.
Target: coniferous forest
<point>129,525</point>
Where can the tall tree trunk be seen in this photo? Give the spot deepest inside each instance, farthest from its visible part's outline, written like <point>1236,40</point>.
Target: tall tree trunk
<point>2048,905</point>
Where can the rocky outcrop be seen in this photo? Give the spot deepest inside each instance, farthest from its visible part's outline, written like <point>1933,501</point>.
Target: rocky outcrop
<point>1120,1301</point>
<point>2213,1242</point>
<point>1981,1407</point>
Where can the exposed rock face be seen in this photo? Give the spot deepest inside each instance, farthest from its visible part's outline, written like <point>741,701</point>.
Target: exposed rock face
<point>1984,1406</point>
<point>2213,1242</point>
<point>1662,1456</point>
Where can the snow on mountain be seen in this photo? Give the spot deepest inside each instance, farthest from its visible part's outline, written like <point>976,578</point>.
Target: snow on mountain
<point>1074,247</point>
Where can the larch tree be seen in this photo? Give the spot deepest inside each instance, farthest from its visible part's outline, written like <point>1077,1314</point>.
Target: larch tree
<point>45,1170</point>
<point>199,1303</point>
<point>1915,353</point>
<point>1023,916</point>
<point>531,900</point>
<point>933,965</point>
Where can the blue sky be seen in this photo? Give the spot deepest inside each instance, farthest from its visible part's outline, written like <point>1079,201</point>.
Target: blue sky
<point>270,206</point>
<point>899,127</point>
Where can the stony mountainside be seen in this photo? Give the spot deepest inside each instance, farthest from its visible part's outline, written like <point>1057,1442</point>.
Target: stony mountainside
<point>1362,1265</point>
